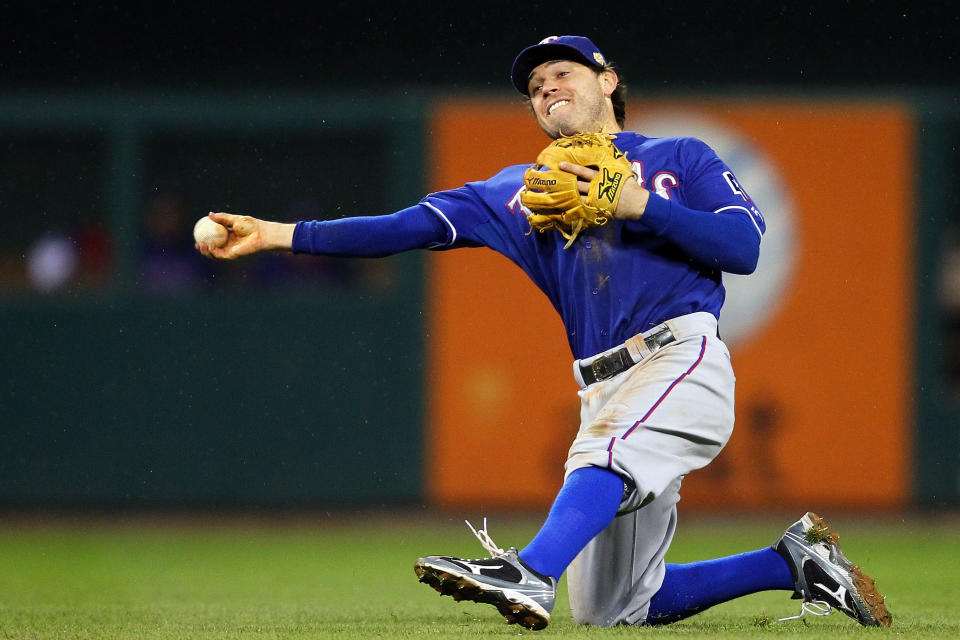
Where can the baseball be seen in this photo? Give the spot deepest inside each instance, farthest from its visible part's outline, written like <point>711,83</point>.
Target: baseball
<point>206,230</point>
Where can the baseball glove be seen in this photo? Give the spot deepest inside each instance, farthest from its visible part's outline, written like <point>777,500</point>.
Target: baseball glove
<point>552,196</point>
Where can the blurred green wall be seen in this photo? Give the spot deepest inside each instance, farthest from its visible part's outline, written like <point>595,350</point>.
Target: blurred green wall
<point>152,377</point>
<point>222,400</point>
<point>936,454</point>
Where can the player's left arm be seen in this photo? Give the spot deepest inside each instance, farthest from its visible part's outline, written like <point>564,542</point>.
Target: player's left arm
<point>723,235</point>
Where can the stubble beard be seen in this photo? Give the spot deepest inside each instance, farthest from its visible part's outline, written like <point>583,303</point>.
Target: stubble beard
<point>587,117</point>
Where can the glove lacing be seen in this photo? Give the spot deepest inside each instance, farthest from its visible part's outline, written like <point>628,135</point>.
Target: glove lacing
<point>485,540</point>
<point>813,607</point>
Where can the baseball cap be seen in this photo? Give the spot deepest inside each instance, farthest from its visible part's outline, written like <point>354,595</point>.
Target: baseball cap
<point>576,48</point>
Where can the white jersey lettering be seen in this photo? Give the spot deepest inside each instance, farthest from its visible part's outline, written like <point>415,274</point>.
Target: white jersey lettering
<point>663,182</point>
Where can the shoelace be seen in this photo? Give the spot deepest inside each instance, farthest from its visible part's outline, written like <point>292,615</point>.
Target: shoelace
<point>485,540</point>
<point>813,607</point>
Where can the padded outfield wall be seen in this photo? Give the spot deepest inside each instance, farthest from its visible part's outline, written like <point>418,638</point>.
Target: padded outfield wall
<point>820,335</point>
<point>151,378</point>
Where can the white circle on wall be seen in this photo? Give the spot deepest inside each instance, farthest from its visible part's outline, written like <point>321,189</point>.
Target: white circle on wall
<point>751,300</point>
<point>51,262</point>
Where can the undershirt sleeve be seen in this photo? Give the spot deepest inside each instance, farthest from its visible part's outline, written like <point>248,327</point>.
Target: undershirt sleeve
<point>728,241</point>
<point>371,236</point>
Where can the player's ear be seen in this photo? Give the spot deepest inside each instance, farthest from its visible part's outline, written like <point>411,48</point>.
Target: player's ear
<point>609,81</point>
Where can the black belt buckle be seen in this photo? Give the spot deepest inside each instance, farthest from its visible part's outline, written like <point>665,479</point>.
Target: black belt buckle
<point>611,365</point>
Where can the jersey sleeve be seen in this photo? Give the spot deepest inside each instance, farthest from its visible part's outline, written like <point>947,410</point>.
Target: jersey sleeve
<point>710,185</point>
<point>461,211</point>
<point>485,213</point>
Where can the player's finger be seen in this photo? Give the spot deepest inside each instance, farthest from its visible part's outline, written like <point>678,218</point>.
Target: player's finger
<point>244,225</point>
<point>226,219</point>
<point>578,170</point>
<point>222,253</point>
<point>226,252</point>
<point>245,246</point>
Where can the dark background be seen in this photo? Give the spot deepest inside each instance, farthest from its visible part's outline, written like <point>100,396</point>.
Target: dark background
<point>375,45</point>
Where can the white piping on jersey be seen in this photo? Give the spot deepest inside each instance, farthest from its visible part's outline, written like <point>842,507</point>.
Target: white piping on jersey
<point>449,224</point>
<point>749,215</point>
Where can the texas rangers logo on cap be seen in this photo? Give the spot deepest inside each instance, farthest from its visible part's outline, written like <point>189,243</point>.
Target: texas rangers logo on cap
<point>596,54</point>
<point>576,48</point>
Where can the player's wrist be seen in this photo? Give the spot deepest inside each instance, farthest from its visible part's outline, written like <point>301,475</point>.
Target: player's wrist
<point>633,202</point>
<point>643,198</point>
<point>278,236</point>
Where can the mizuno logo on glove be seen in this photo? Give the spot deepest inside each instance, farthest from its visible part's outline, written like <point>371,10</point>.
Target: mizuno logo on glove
<point>553,197</point>
<point>540,182</point>
<point>609,184</point>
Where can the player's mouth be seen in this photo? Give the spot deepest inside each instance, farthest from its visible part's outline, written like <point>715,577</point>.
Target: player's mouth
<point>555,105</point>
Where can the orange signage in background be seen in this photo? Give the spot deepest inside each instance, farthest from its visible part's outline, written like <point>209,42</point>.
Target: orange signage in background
<point>820,336</point>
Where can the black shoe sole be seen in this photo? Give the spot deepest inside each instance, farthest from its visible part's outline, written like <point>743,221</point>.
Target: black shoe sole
<point>463,588</point>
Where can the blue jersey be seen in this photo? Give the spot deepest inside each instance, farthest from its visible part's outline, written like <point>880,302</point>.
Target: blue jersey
<point>625,277</point>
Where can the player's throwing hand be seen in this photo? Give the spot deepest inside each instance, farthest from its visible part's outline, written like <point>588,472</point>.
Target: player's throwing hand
<point>247,235</point>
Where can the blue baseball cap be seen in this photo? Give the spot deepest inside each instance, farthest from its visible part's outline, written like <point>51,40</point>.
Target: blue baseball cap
<point>576,48</point>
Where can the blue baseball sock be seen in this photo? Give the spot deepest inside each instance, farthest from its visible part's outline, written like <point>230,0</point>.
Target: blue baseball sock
<point>586,504</point>
<point>690,588</point>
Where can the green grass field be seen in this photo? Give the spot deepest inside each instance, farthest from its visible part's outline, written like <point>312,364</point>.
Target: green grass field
<point>352,577</point>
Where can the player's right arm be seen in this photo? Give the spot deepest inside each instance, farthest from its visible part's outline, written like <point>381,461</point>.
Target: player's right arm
<point>462,217</point>
<point>363,236</point>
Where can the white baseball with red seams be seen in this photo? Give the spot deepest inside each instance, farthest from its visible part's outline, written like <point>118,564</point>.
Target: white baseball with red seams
<point>662,418</point>
<point>210,232</point>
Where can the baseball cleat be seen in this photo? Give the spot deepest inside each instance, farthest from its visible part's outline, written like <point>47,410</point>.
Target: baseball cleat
<point>521,595</point>
<point>824,578</point>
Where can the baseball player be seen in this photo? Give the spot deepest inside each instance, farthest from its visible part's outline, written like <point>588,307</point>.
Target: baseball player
<point>640,297</point>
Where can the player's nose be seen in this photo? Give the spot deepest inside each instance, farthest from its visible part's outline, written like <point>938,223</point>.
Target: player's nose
<point>550,87</point>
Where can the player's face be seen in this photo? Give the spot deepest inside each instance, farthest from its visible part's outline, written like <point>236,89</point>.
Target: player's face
<point>568,97</point>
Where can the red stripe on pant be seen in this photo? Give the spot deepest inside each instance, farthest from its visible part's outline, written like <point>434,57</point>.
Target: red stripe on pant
<point>703,349</point>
